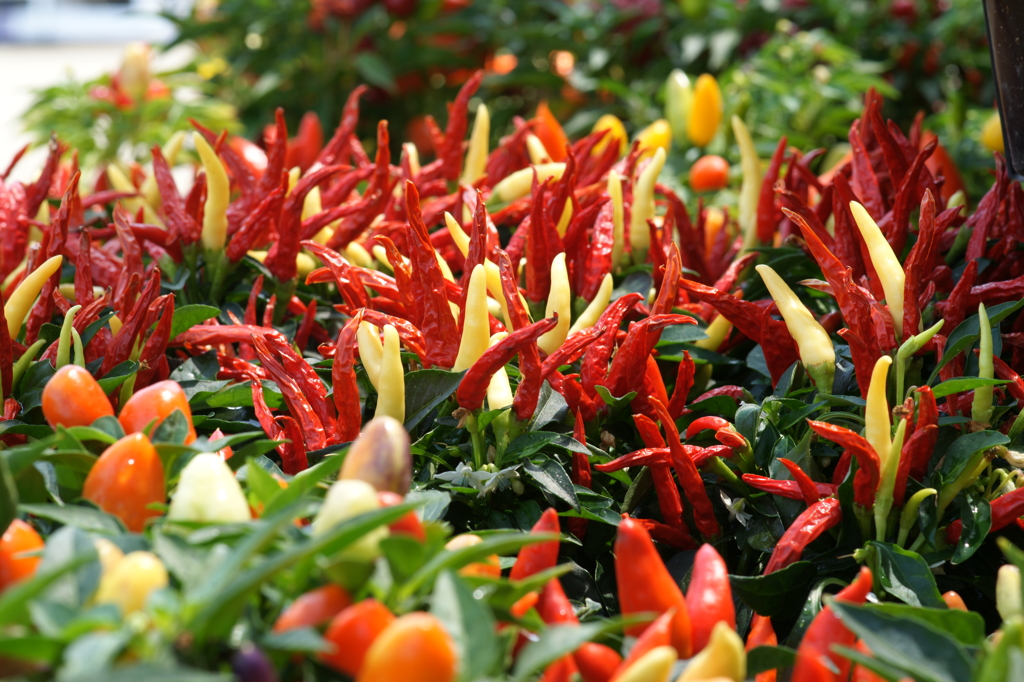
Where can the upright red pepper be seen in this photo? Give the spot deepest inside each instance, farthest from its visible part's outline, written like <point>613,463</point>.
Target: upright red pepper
<point>346,386</point>
<point>665,486</point>
<point>815,659</point>
<point>541,556</point>
<point>644,584</point>
<point>762,634</point>
<point>767,211</point>
<point>580,473</point>
<point>684,382</point>
<point>865,482</point>
<point>709,596</point>
<point>689,477</point>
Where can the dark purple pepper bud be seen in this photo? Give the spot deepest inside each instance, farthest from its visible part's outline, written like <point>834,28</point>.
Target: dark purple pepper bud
<point>252,665</point>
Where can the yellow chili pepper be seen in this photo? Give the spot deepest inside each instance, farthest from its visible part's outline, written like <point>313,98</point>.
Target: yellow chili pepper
<point>877,427</point>
<point>723,656</point>
<point>19,305</point>
<point>304,263</point>
<point>678,100</point>
<point>992,134</point>
<point>655,136</point>
<point>887,266</point>
<point>499,395</point>
<point>345,499</point>
<point>816,351</point>
<point>560,302</point>
<point>616,136</point>
<point>520,183</point>
<point>887,483</point>
<point>654,666</point>
<point>476,326</point>
<point>461,240</point>
<point>391,394</point>
<point>109,553</point>
<point>717,330</point>
<point>413,154</point>
<point>131,580</point>
<point>208,492</point>
<point>618,218</point>
<point>981,408</point>
<point>705,111</point>
<point>476,156</point>
<point>312,205</point>
<point>536,149</point>
<point>1009,600</point>
<point>218,194</point>
<point>358,255</point>
<point>371,351</point>
<point>750,189</point>
<point>563,220</point>
<point>589,317</point>
<point>643,208</point>
<point>122,183</point>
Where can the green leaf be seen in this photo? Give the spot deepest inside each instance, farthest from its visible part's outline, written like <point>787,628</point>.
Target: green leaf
<point>961,384</point>
<point>553,481</point>
<point>297,641</point>
<point>551,407</point>
<point>764,658</point>
<point>558,641</point>
<point>8,494</point>
<point>260,482</point>
<point>79,516</point>
<point>31,648</point>
<point>967,332</point>
<point>188,316</point>
<point>117,376</point>
<point>964,448</point>
<point>966,626</point>
<point>976,514</point>
<point>528,444</point>
<point>15,599</point>
<point>917,649</point>
<point>151,672</point>
<point>905,575</point>
<point>375,70</point>
<point>776,592</point>
<point>305,481</point>
<point>470,625</point>
<point>426,389</point>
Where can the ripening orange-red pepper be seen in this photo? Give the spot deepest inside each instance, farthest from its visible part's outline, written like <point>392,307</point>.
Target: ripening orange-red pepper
<point>152,405</point>
<point>645,585</point>
<point>541,556</point>
<point>954,601</point>
<point>73,398</point>
<point>491,567</point>
<point>409,524</point>
<point>352,632</point>
<point>709,596</point>
<point>18,539</point>
<point>657,634</point>
<point>126,479</point>
<point>815,658</point>
<point>550,132</point>
<point>313,608</point>
<point>415,648</point>
<point>762,634</point>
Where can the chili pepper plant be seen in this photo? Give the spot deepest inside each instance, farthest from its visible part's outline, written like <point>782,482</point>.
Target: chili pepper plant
<point>511,413</point>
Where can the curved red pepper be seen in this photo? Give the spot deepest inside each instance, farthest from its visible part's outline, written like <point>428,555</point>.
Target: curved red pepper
<point>669,502</point>
<point>710,422</point>
<point>762,634</point>
<point>815,520</point>
<point>689,477</point>
<point>346,386</point>
<point>1005,510</point>
<point>865,481</point>
<point>788,489</point>
<point>684,382</point>
<point>808,488</point>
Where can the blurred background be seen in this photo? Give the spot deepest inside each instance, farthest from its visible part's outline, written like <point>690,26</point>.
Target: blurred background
<point>795,67</point>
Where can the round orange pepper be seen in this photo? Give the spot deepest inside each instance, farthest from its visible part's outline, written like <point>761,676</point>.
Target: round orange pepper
<point>18,539</point>
<point>73,398</point>
<point>415,648</point>
<point>313,608</point>
<point>127,478</point>
<point>153,404</point>
<point>352,632</point>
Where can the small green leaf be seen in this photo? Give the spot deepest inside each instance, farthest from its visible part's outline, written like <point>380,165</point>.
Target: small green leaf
<point>905,575</point>
<point>470,625</point>
<point>776,592</point>
<point>964,448</point>
<point>961,384</point>
<point>188,316</point>
<point>553,481</point>
<point>117,376</point>
<point>976,514</point>
<point>426,389</point>
<point>85,518</point>
<point>8,494</point>
<point>764,658</point>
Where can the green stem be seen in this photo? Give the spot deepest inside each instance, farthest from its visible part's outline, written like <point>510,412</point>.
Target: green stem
<point>909,514</point>
<point>477,438</point>
<point>21,366</point>
<point>79,348</point>
<point>728,476</point>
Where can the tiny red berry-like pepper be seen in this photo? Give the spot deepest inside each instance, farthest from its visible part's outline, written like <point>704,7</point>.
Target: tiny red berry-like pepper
<point>709,596</point>
<point>815,520</point>
<point>541,556</point>
<point>815,658</point>
<point>644,584</point>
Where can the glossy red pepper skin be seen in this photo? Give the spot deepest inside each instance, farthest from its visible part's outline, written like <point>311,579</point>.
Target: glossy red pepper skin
<point>762,634</point>
<point>815,658</point>
<point>815,520</point>
<point>595,662</point>
<point>657,633</point>
<point>865,481</point>
<point>669,501</point>
<point>709,422</point>
<point>313,608</point>
<point>788,489</point>
<point>709,596</point>
<point>644,584</point>
<point>689,477</point>
<point>538,557</point>
<point>808,488</point>
<point>152,405</point>
<point>767,212</point>
<point>580,474</point>
<point>684,382</point>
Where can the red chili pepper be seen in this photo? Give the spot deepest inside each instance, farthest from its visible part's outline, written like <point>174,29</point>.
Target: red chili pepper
<point>669,501</point>
<point>123,342</point>
<point>669,286</point>
<point>281,257</point>
<point>959,300</point>
<point>178,221</point>
<point>709,422</point>
<point>644,584</point>
<point>815,659</point>
<point>542,244</point>
<point>595,363</point>
<point>657,634</point>
<point>541,556</point>
<point>1005,510</point>
<point>788,489</point>
<point>258,223</point>
<point>599,255</point>
<point>919,450</point>
<point>433,315</point>
<point>865,481</point>
<point>153,356</point>
<point>805,529</point>
<point>689,477</point>
<point>473,387</point>
<point>346,386</point>
<point>571,350</point>
<point>314,434</point>
<point>709,596</point>
<point>808,488</point>
<point>982,220</point>
<point>336,146</point>
<point>684,382</point>
<point>630,360</point>
<point>580,473</point>
<point>303,373</point>
<point>349,286</point>
<point>767,212</point>
<point>762,634</point>
<point>407,332</point>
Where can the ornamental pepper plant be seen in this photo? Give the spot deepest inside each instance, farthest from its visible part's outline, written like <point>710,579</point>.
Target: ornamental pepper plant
<point>520,412</point>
